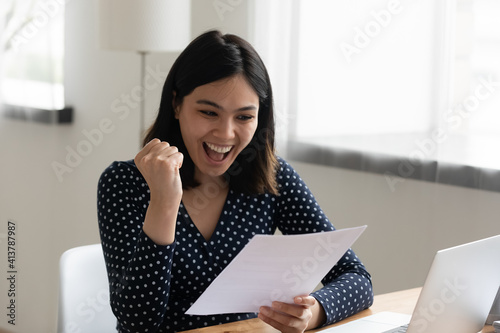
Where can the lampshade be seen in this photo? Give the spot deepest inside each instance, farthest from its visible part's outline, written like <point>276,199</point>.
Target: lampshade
<point>145,25</point>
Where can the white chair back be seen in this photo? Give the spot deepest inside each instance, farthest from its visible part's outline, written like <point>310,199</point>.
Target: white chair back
<point>84,292</point>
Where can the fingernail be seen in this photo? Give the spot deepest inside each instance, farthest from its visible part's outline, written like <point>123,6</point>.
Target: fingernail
<point>298,299</point>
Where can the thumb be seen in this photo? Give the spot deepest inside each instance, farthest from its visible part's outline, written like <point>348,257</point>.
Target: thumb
<point>180,160</point>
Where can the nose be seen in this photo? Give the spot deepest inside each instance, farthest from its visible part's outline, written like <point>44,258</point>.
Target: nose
<point>225,129</point>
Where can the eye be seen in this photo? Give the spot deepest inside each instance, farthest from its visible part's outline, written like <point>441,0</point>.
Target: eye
<point>245,117</point>
<point>208,113</point>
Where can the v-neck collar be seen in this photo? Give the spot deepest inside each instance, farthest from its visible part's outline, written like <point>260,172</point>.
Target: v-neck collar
<point>220,222</point>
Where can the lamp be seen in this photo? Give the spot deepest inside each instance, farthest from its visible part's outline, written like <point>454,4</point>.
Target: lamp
<point>145,26</point>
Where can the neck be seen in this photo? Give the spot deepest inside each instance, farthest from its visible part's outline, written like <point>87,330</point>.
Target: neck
<point>207,180</point>
<point>207,194</point>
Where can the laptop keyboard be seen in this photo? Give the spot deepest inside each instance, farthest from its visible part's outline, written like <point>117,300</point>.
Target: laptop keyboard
<point>401,329</point>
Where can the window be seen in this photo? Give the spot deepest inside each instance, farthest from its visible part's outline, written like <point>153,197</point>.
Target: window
<point>416,81</point>
<point>477,66</point>
<point>32,55</point>
<point>364,68</point>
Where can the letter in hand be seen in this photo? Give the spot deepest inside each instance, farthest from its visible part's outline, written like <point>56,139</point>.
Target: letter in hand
<point>305,313</point>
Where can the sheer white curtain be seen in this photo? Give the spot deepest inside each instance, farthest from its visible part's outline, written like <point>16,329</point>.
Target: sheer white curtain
<point>413,80</point>
<point>274,36</point>
<point>32,51</point>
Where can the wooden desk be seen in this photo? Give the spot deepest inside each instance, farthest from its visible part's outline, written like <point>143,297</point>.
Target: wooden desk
<point>399,301</point>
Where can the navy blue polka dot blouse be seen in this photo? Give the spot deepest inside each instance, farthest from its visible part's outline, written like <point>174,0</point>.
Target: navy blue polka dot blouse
<point>151,286</point>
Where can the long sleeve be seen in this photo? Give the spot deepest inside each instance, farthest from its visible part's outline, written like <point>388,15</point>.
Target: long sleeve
<point>347,288</point>
<point>138,270</point>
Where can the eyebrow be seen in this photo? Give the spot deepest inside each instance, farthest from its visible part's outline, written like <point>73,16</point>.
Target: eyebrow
<point>217,106</point>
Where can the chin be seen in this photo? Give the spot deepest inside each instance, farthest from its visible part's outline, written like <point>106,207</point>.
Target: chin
<point>212,171</point>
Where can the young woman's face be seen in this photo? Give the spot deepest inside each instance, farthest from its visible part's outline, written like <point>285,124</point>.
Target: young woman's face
<point>217,120</point>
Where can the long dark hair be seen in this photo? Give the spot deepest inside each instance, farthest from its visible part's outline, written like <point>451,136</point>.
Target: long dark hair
<point>210,57</point>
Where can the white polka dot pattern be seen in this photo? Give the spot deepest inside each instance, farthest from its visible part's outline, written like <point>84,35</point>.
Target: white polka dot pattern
<point>152,286</point>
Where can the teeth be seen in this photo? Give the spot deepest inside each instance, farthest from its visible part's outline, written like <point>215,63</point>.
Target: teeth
<point>219,149</point>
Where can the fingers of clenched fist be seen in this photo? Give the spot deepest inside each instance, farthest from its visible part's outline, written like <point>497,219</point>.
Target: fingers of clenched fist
<point>156,153</point>
<point>159,163</point>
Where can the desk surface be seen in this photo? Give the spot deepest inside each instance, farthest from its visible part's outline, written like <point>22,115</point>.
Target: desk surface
<point>399,301</point>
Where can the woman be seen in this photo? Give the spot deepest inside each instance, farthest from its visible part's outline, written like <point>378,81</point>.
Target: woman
<point>206,181</point>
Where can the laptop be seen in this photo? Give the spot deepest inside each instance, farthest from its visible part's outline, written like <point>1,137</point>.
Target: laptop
<point>457,295</point>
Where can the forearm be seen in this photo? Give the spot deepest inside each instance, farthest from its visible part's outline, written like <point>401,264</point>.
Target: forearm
<point>347,295</point>
<point>318,316</point>
<point>160,220</point>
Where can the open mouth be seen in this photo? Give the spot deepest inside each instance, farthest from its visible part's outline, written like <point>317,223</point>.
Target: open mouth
<point>215,152</point>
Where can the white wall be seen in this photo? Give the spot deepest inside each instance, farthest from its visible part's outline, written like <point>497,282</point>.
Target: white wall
<point>53,215</point>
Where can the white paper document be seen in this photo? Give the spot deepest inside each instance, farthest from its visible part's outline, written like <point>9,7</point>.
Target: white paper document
<point>274,267</point>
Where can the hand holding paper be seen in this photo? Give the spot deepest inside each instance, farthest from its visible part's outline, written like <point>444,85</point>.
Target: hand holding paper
<point>273,268</point>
